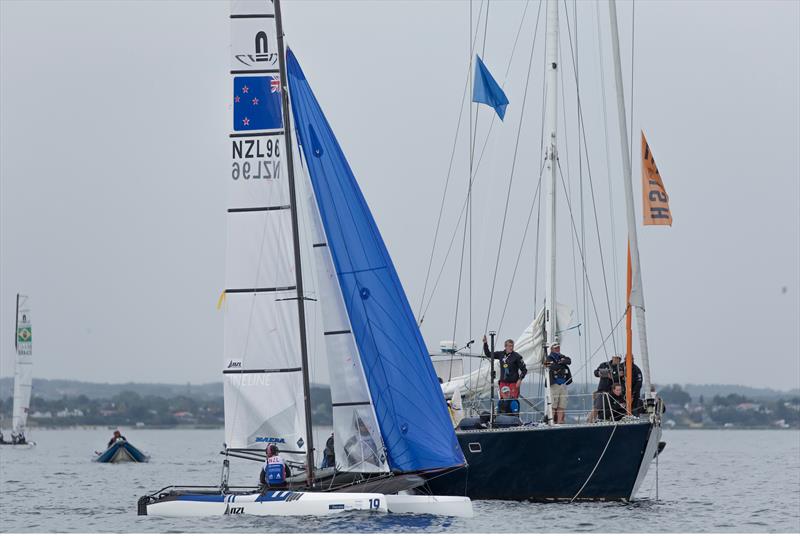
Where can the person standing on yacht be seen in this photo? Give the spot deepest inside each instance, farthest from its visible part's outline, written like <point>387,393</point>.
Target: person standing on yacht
<point>512,366</point>
<point>560,377</point>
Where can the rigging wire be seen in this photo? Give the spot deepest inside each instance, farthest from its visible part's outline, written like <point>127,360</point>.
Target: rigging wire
<point>583,258</point>
<point>614,247</point>
<point>511,176</point>
<point>474,177</point>
<point>536,197</point>
<point>591,189</point>
<point>449,168</point>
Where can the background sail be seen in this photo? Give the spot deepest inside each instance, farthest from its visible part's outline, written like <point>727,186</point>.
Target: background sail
<point>476,384</point>
<point>261,365</point>
<point>23,372</point>
<point>408,402</point>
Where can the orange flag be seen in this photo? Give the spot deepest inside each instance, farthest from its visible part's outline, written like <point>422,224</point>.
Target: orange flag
<point>655,201</point>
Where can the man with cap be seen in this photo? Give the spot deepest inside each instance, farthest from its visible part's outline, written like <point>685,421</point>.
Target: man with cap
<point>512,366</point>
<point>560,377</point>
<point>274,472</point>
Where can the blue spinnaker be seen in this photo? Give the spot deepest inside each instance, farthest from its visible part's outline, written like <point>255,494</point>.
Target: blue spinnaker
<point>408,401</point>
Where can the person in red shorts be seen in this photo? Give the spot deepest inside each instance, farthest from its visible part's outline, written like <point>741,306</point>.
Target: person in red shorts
<point>512,367</point>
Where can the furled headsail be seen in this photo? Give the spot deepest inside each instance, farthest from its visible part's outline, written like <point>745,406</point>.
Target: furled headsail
<point>403,388</point>
<point>23,371</point>
<point>262,363</point>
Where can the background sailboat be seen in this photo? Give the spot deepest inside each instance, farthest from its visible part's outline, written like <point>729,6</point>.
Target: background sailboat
<point>23,373</point>
<point>582,458</point>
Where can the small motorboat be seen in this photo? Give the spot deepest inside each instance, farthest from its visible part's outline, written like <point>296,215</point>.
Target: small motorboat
<point>121,451</point>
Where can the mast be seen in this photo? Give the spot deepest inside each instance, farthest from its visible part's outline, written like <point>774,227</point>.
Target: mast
<point>628,338</point>
<point>637,292</point>
<point>298,269</point>
<point>551,156</point>
<point>16,323</point>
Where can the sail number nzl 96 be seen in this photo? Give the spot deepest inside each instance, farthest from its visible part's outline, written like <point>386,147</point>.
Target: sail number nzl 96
<point>256,158</point>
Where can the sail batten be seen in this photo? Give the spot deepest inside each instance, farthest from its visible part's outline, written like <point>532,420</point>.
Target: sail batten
<point>407,401</point>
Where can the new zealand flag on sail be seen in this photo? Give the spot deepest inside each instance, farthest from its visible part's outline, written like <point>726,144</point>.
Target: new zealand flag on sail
<point>257,103</point>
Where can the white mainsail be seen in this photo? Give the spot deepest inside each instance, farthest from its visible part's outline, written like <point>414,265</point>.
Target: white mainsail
<point>476,384</point>
<point>262,356</point>
<point>23,371</point>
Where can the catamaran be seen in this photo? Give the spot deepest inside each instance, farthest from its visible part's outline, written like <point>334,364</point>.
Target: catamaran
<point>23,375</point>
<point>390,419</point>
<point>522,454</point>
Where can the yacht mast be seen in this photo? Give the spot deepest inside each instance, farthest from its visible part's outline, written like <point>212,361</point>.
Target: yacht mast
<point>298,269</point>
<point>551,156</point>
<point>636,292</point>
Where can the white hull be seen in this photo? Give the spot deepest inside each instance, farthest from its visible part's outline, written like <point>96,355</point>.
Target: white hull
<point>437,505</point>
<point>298,503</point>
<point>28,445</point>
<point>273,503</point>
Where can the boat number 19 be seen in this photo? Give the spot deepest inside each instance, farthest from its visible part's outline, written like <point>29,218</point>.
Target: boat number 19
<point>374,504</point>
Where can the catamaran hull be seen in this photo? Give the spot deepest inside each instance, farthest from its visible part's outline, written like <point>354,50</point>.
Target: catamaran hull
<point>271,503</point>
<point>121,452</point>
<point>28,445</point>
<point>553,462</point>
<point>300,503</point>
<point>437,505</point>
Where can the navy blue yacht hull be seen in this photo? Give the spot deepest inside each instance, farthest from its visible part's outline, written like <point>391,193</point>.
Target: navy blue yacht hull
<point>597,461</point>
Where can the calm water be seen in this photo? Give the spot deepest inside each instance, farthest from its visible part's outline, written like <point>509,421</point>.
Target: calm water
<point>722,481</point>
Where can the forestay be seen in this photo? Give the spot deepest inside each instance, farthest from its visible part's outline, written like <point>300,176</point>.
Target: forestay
<point>408,403</point>
<point>262,360</point>
<point>23,373</point>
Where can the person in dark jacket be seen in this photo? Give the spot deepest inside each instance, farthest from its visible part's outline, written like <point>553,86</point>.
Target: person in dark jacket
<point>512,366</point>
<point>615,407</point>
<point>636,388</point>
<point>560,377</point>
<point>116,437</point>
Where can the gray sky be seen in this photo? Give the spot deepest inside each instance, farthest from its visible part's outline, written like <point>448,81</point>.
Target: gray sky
<point>113,167</point>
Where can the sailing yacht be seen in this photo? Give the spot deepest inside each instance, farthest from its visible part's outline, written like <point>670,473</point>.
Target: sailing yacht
<point>23,375</point>
<point>390,419</point>
<point>525,456</point>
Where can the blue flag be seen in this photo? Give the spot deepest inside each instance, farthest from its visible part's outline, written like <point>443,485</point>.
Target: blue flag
<point>486,90</point>
<point>257,103</point>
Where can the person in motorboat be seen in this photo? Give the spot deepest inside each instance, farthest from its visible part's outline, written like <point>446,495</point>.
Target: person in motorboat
<point>275,470</point>
<point>560,377</point>
<point>512,366</point>
<point>116,437</point>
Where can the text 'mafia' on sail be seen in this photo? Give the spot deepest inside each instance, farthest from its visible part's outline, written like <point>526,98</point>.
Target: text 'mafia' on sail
<point>262,358</point>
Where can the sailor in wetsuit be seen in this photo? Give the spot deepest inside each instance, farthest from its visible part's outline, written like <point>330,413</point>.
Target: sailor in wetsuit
<point>274,472</point>
<point>116,437</point>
